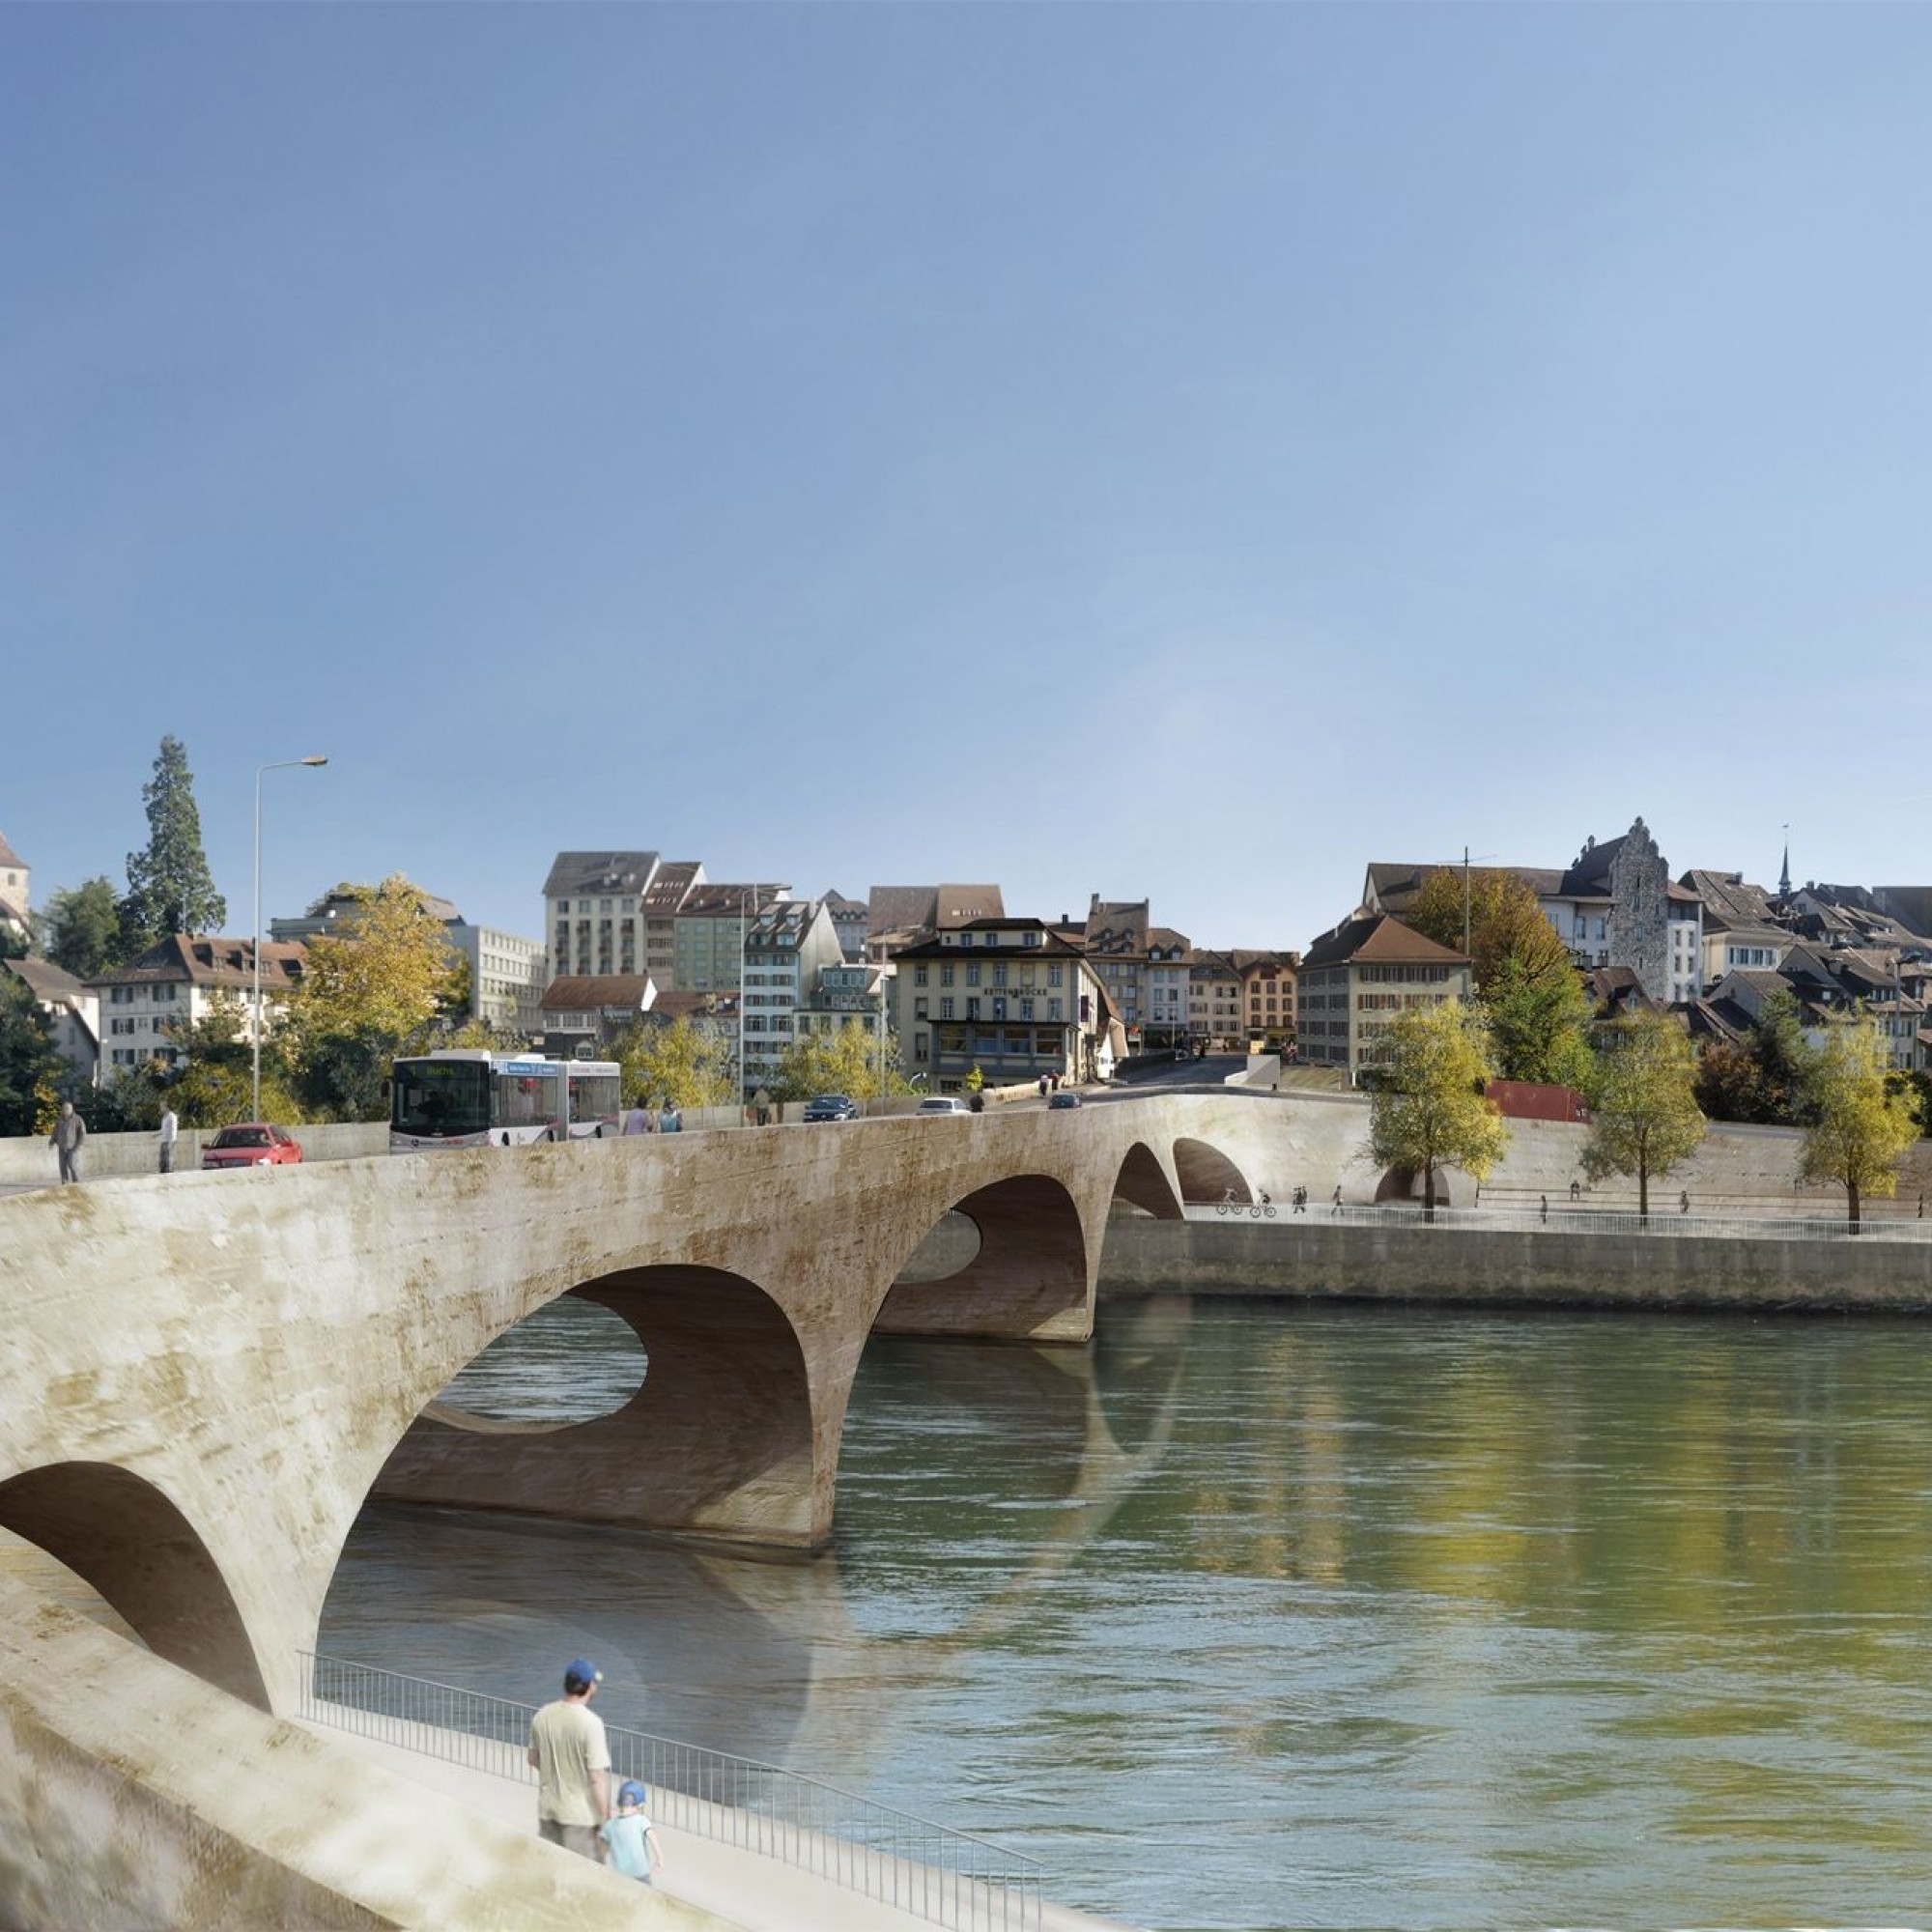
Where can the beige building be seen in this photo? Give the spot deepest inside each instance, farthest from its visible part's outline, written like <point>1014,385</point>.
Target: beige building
<point>1353,980</point>
<point>1214,1006</point>
<point>1007,996</point>
<point>1268,996</point>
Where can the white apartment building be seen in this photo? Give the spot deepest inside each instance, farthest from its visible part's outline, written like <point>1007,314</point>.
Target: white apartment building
<point>182,980</point>
<point>788,946</point>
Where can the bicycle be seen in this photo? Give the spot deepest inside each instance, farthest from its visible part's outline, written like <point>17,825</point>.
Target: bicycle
<point>1230,1203</point>
<point>1261,1207</point>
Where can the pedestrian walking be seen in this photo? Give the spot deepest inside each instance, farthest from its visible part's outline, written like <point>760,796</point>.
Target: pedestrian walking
<point>1576,1191</point>
<point>1042,1086</point>
<point>1300,1202</point>
<point>634,1118</point>
<point>1684,1202</point>
<point>761,1106</point>
<point>631,1838</point>
<point>572,1760</point>
<point>1335,1204</point>
<point>165,1139</point>
<point>68,1137</point>
<point>670,1120</point>
<point>1543,1214</point>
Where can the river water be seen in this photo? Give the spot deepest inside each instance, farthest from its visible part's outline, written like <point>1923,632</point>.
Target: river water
<point>1268,1615</point>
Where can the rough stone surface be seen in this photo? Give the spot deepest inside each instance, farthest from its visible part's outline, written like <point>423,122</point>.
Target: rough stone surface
<point>1640,912</point>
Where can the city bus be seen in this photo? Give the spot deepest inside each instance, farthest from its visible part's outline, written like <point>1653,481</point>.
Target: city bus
<point>465,1098</point>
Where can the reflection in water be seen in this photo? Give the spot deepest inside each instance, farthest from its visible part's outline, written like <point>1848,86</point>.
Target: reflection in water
<point>1296,1616</point>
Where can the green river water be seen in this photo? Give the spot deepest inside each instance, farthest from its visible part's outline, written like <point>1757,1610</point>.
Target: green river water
<point>1258,1614</point>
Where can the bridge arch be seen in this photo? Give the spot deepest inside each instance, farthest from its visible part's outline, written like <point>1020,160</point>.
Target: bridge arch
<point>1206,1173</point>
<point>717,1439</point>
<point>1143,1181</point>
<point>127,1539</point>
<point>1030,1270</point>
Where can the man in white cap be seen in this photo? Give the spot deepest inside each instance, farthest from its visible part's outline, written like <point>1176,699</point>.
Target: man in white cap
<point>573,1763</point>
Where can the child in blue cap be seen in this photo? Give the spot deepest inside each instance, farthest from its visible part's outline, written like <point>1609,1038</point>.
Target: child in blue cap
<point>630,1838</point>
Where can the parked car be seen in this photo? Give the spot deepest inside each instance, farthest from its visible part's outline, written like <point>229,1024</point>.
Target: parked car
<point>830,1107</point>
<point>251,1143</point>
<point>1066,1097</point>
<point>944,1103</point>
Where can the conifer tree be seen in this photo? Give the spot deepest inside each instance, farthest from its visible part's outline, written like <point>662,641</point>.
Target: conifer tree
<point>170,888</point>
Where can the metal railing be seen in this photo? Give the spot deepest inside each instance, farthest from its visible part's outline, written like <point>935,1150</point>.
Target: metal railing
<point>1666,1218</point>
<point>930,1871</point>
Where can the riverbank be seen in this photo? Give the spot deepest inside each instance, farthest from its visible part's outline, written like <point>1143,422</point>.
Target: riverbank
<point>1315,1258</point>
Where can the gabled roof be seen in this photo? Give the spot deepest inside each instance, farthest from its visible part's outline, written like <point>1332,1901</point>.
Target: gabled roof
<point>938,908</point>
<point>214,962</point>
<point>840,907</point>
<point>1205,965</point>
<point>670,884</point>
<point>1378,939</point>
<point>50,984</point>
<point>1729,897</point>
<point>573,872</point>
<point>1392,887</point>
<point>716,899</point>
<point>7,856</point>
<point>593,993</point>
<point>960,905</point>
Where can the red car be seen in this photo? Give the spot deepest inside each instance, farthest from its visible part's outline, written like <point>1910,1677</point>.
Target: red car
<point>251,1143</point>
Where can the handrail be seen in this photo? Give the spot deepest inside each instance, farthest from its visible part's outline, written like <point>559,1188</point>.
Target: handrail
<point>931,1871</point>
<point>1666,1218</point>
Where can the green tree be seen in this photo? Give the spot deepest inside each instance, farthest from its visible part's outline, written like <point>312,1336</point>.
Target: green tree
<point>1427,1108</point>
<point>842,1061</point>
<point>365,995</point>
<point>1530,993</point>
<point>81,929</point>
<point>686,1066</point>
<point>1761,1080</point>
<point>170,888</point>
<point>1855,1132</point>
<point>28,1059</point>
<point>1643,1117</point>
<point>1538,1020</point>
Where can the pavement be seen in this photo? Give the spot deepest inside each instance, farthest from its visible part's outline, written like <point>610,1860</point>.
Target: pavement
<point>746,1888</point>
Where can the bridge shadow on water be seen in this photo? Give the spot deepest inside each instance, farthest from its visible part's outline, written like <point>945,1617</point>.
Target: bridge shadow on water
<point>743,1652</point>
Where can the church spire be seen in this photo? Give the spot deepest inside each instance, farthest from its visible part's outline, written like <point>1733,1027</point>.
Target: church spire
<point>1784,877</point>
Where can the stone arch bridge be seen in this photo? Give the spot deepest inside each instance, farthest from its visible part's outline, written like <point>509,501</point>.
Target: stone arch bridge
<point>207,1376</point>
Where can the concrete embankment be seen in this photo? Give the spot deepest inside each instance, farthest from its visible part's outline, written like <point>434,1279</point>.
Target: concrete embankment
<point>1312,1258</point>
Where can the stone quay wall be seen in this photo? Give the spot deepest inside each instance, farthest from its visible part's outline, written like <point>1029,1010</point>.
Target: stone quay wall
<point>1315,1259</point>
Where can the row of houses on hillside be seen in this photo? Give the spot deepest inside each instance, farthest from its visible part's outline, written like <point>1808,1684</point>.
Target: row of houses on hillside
<point>1709,944</point>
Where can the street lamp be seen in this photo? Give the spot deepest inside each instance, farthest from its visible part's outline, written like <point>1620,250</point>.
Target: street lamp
<point>255,1078</point>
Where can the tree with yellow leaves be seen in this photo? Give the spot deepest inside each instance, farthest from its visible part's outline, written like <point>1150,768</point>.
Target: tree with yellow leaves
<point>366,994</point>
<point>1854,1132</point>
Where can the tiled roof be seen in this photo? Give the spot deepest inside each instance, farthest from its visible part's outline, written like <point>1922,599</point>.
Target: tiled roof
<point>50,984</point>
<point>589,993</point>
<point>211,961</point>
<point>671,883</point>
<point>573,872</point>
<point>961,906</point>
<point>1378,939</point>
<point>7,856</point>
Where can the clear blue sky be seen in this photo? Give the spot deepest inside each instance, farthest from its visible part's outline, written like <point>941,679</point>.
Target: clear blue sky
<point>1180,451</point>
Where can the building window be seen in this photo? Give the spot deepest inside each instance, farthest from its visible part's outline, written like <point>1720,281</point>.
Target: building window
<point>945,1008</point>
<point>973,973</point>
<point>920,973</point>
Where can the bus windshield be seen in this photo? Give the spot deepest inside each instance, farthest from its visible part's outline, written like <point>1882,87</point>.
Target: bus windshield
<point>439,1098</point>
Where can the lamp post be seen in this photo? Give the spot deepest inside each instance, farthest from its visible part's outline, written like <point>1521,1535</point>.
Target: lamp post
<point>255,1077</point>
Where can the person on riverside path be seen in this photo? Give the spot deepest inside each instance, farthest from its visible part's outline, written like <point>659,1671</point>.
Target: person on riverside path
<point>68,1137</point>
<point>165,1139</point>
<point>573,1763</point>
<point>630,1838</point>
